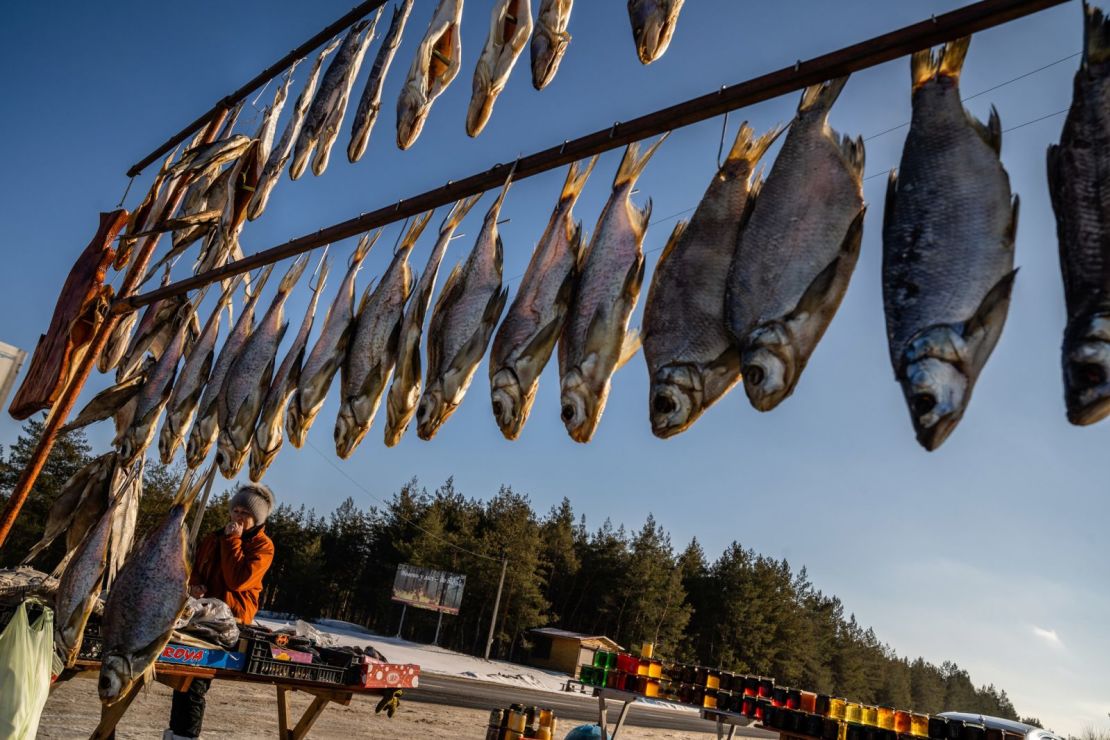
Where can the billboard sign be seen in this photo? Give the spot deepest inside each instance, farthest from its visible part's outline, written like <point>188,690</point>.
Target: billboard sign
<point>424,588</point>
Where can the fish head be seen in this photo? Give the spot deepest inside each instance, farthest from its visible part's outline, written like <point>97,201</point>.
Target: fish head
<point>935,383</point>
<point>677,399</point>
<point>260,457</point>
<point>168,441</point>
<point>399,409</point>
<point>581,406</point>
<point>348,431</point>
<point>434,409</point>
<point>510,404</point>
<point>1087,371</point>
<point>653,24</point>
<point>412,111</point>
<point>229,456</point>
<point>130,445</point>
<point>200,440</point>
<point>115,678</point>
<point>769,365</point>
<point>547,51</point>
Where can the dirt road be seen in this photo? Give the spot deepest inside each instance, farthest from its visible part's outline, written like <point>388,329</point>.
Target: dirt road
<point>247,711</point>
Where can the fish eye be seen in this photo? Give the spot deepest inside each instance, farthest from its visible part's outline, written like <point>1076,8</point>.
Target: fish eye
<point>922,403</point>
<point>664,404</point>
<point>754,374</point>
<point>1088,375</point>
<point>497,408</point>
<point>568,412</point>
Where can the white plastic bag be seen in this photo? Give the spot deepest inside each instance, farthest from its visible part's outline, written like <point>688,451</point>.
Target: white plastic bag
<point>26,651</point>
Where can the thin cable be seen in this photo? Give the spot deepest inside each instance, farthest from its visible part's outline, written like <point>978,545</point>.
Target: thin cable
<point>434,536</point>
<point>126,190</point>
<point>721,146</point>
<point>1005,130</point>
<point>1030,73</point>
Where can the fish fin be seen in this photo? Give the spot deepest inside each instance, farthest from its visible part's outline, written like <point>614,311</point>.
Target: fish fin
<point>538,346</point>
<point>753,197</point>
<point>926,65</point>
<point>495,209</point>
<point>458,212</point>
<point>629,347</point>
<point>816,297</point>
<point>632,164</point>
<point>722,373</point>
<point>416,228</point>
<point>820,98</point>
<point>633,280</point>
<point>1011,231</point>
<point>452,290</point>
<point>1096,32</point>
<point>576,179</point>
<point>854,154</point>
<point>984,328</point>
<point>106,403</point>
<point>672,242</point>
<point>470,354</point>
<point>891,192</point>
<point>364,244</point>
<point>641,218</point>
<point>990,132</point>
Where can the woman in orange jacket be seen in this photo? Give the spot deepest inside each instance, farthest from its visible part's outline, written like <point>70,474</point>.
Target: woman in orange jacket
<point>229,566</point>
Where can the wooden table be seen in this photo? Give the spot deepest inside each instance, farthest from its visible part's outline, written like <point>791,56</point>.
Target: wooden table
<point>723,719</point>
<point>179,677</point>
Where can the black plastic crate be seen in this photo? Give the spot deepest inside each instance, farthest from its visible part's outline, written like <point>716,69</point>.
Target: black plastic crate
<point>261,662</point>
<point>92,642</point>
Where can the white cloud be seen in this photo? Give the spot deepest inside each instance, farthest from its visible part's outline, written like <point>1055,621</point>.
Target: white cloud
<point>1048,636</point>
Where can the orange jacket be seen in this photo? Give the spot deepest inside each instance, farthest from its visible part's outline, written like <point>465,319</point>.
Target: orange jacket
<point>231,569</point>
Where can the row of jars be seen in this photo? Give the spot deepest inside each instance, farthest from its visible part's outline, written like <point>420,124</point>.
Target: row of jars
<point>827,728</point>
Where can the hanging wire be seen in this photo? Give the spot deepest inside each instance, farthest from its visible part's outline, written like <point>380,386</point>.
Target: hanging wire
<point>721,146</point>
<point>126,190</point>
<point>403,518</point>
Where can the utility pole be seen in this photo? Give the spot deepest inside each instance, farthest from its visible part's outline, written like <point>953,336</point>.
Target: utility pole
<point>496,605</point>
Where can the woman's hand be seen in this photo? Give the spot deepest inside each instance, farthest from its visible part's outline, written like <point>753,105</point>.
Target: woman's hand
<point>233,529</point>
<point>197,592</point>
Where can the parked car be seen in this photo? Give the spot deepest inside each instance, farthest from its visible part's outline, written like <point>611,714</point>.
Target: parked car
<point>997,723</point>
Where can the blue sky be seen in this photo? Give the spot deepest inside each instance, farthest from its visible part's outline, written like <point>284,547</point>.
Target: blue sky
<point>991,551</point>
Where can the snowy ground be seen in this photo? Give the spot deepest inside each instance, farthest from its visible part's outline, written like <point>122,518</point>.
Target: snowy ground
<point>432,659</point>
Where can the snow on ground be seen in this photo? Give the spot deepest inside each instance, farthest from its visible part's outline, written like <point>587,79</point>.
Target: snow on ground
<point>432,659</point>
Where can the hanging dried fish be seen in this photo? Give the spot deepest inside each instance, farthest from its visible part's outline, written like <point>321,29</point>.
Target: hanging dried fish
<point>435,66</point>
<point>267,438</point>
<point>373,347</point>
<point>371,102</point>
<point>948,248</point>
<point>281,153</point>
<point>328,352</point>
<point>797,251</point>
<point>404,391</point>
<point>527,336</point>
<point>596,340</point>
<point>321,125</point>
<point>549,40</point>
<point>510,27</point>
<point>653,24</point>
<point>1077,179</point>
<point>691,357</point>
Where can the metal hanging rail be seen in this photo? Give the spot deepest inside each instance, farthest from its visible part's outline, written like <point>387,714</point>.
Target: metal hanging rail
<point>228,102</point>
<point>889,46</point>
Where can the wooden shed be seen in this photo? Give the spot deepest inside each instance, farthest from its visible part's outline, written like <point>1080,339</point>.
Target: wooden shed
<point>565,651</point>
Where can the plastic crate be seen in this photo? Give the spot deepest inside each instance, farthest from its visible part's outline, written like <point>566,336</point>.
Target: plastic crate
<point>260,662</point>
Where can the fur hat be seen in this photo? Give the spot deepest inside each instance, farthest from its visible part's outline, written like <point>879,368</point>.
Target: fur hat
<point>256,497</point>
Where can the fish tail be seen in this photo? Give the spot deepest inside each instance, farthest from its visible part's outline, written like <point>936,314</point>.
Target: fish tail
<point>576,180</point>
<point>364,244</point>
<point>416,228</point>
<point>187,495</point>
<point>1096,31</point>
<point>632,164</point>
<point>926,65</point>
<point>495,209</point>
<point>458,212</point>
<point>821,97</point>
<point>748,149</point>
<point>321,276</point>
<point>293,275</point>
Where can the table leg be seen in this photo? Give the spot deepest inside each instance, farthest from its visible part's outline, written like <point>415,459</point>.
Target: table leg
<point>620,719</point>
<point>283,713</point>
<point>602,718</point>
<point>315,709</point>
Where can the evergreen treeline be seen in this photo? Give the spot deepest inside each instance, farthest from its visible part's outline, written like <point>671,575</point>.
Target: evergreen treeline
<point>743,611</point>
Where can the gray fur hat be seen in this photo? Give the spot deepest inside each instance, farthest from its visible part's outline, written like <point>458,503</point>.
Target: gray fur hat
<point>256,497</point>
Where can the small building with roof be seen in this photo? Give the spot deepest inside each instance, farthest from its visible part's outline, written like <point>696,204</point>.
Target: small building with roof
<point>562,650</point>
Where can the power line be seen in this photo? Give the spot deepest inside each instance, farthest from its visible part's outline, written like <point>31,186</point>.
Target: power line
<point>403,518</point>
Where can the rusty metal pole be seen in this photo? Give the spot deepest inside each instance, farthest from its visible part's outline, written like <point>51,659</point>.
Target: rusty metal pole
<point>68,399</point>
